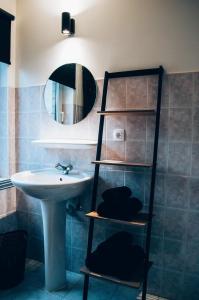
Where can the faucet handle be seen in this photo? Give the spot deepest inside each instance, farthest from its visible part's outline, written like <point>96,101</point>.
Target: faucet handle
<point>59,166</point>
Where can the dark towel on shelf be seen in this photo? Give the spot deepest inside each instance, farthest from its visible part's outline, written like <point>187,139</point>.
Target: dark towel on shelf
<point>119,238</point>
<point>122,209</point>
<point>117,257</point>
<point>122,192</point>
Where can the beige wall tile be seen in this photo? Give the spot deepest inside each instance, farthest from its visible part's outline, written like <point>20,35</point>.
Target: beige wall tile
<point>136,92</point>
<point>116,95</point>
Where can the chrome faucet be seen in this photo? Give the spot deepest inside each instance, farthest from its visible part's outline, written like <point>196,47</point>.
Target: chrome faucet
<point>65,169</point>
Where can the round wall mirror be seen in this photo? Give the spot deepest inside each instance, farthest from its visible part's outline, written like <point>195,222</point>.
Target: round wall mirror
<point>70,93</point>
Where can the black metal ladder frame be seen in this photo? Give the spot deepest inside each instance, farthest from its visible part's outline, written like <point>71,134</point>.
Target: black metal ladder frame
<point>146,72</point>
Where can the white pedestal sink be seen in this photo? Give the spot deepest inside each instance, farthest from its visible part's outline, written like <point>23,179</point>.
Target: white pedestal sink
<point>53,189</point>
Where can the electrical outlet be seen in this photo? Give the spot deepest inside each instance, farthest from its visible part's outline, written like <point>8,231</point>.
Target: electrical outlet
<point>118,135</point>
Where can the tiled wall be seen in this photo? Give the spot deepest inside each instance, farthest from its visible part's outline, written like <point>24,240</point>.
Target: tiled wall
<point>175,238</point>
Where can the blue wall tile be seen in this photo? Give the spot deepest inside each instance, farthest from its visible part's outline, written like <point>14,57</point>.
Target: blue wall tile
<point>175,223</point>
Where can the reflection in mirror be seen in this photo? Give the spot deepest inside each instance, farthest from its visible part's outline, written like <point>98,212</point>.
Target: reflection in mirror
<point>70,93</point>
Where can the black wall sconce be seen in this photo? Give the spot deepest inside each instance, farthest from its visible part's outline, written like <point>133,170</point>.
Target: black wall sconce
<point>68,24</point>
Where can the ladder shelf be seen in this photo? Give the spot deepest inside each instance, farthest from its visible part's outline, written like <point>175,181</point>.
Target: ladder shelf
<point>137,111</point>
<point>139,220</point>
<point>134,283</point>
<point>122,163</point>
<point>143,220</point>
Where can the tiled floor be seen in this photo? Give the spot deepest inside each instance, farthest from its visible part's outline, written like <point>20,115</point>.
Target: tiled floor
<point>32,288</point>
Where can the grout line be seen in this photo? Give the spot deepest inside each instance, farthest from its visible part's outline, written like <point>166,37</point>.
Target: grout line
<point>169,117</point>
<point>191,162</point>
<point>165,200</point>
<point>192,123</point>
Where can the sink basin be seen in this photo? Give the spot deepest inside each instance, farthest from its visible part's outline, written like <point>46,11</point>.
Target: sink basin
<point>53,189</point>
<point>51,184</point>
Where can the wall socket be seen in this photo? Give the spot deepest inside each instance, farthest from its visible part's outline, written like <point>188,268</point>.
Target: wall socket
<point>118,135</point>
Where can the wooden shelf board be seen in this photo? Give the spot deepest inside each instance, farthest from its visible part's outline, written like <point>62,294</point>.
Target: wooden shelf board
<point>140,220</point>
<point>132,284</point>
<point>122,163</point>
<point>144,111</point>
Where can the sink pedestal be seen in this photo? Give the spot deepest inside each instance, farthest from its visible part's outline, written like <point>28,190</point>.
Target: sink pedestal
<point>54,220</point>
<point>53,189</point>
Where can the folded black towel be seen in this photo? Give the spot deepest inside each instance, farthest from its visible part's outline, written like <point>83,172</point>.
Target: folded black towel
<point>122,192</point>
<point>122,209</point>
<point>119,239</point>
<point>117,257</point>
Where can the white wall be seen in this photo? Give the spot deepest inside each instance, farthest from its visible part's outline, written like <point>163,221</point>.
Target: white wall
<point>110,35</point>
<point>10,6</point>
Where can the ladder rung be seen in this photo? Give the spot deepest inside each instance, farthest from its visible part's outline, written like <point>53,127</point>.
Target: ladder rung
<point>140,220</point>
<point>145,111</point>
<point>143,72</point>
<point>121,163</point>
<point>132,284</point>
